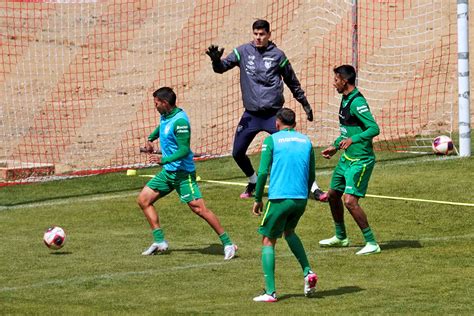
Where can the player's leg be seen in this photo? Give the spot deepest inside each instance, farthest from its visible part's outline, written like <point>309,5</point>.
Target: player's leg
<point>271,227</point>
<point>335,193</point>
<point>358,177</point>
<point>199,208</point>
<point>268,267</point>
<point>246,131</point>
<point>189,192</point>
<point>297,209</point>
<point>154,190</point>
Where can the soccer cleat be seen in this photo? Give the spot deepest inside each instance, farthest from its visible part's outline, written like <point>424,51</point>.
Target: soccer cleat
<point>369,248</point>
<point>334,242</point>
<point>320,195</point>
<point>155,248</point>
<point>249,190</point>
<point>269,298</point>
<point>230,251</point>
<point>310,283</point>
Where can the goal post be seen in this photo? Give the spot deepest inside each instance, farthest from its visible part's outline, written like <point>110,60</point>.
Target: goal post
<point>77,76</point>
<point>463,79</point>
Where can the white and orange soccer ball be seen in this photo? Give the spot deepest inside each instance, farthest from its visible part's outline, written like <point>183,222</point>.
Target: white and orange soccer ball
<point>54,237</point>
<point>442,145</point>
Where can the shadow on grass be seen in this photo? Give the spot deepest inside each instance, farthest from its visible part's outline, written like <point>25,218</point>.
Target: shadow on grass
<point>396,244</point>
<point>322,294</point>
<point>61,253</point>
<point>213,249</point>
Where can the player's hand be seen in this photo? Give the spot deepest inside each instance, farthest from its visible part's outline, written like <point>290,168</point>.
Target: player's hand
<point>345,143</point>
<point>329,152</point>
<point>149,147</point>
<point>214,52</point>
<point>257,208</point>
<point>309,111</point>
<point>155,159</point>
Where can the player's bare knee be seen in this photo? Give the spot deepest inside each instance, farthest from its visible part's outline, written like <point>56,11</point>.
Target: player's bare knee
<point>351,202</point>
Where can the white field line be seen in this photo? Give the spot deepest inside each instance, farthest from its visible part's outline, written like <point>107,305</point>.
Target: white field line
<point>105,196</point>
<point>201,266</point>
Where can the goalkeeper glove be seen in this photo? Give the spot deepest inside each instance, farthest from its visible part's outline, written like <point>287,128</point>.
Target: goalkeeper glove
<point>215,53</point>
<point>308,110</point>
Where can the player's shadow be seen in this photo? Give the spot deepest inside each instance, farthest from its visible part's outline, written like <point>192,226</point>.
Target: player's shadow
<point>212,249</point>
<point>396,244</point>
<point>322,294</point>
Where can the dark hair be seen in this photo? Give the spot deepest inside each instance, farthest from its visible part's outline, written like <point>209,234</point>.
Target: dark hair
<point>287,116</point>
<point>261,24</point>
<point>347,72</point>
<point>166,94</point>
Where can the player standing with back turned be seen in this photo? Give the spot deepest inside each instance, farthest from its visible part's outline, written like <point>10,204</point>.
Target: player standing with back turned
<point>288,157</point>
<point>352,173</point>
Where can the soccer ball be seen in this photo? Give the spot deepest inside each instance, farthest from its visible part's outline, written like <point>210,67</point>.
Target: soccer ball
<point>54,237</point>
<point>442,145</point>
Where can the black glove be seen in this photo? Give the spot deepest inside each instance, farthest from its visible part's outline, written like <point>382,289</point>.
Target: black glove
<point>308,110</point>
<point>215,53</point>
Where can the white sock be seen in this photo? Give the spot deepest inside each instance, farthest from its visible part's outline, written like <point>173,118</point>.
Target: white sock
<point>253,178</point>
<point>314,187</point>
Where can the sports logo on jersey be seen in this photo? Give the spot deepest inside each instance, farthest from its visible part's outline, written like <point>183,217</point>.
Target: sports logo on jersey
<point>268,62</point>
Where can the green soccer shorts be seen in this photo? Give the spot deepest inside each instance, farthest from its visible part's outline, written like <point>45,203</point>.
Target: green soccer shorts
<point>352,176</point>
<point>281,215</point>
<point>183,182</point>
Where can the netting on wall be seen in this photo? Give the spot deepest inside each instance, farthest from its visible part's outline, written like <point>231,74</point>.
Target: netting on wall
<point>77,77</point>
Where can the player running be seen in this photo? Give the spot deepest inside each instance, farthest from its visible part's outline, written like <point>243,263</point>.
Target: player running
<point>289,158</point>
<point>352,173</point>
<point>178,173</point>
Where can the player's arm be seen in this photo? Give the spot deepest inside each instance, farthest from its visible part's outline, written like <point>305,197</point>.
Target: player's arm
<point>222,65</point>
<point>312,169</point>
<point>155,134</point>
<point>182,131</point>
<point>362,112</point>
<point>292,82</point>
<point>151,138</point>
<point>266,160</point>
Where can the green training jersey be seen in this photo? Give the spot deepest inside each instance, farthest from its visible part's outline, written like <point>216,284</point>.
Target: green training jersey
<point>356,122</point>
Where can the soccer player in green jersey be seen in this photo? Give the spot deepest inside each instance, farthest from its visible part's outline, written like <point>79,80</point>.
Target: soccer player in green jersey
<point>178,173</point>
<point>352,173</point>
<point>288,157</point>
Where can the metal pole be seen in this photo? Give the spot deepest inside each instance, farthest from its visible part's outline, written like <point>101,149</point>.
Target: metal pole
<point>463,79</point>
<point>355,39</point>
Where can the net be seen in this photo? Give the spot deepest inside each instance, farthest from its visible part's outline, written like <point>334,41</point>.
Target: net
<point>77,77</point>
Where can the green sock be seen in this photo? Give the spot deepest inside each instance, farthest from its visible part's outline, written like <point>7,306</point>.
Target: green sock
<point>158,235</point>
<point>368,235</point>
<point>268,265</point>
<point>340,230</point>
<point>294,242</point>
<point>225,239</point>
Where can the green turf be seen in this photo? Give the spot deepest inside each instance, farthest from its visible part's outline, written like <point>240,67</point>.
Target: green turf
<point>425,267</point>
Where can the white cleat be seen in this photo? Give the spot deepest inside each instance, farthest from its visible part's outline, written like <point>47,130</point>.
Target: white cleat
<point>369,249</point>
<point>155,248</point>
<point>230,251</point>
<point>310,282</point>
<point>334,242</point>
<point>266,298</point>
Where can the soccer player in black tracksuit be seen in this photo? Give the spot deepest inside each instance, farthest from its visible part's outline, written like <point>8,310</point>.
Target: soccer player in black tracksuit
<point>263,69</point>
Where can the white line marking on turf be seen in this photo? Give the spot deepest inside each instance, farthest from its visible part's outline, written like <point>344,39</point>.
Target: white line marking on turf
<point>119,275</point>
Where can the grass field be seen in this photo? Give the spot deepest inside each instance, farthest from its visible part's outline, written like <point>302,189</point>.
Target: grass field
<point>426,264</point>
